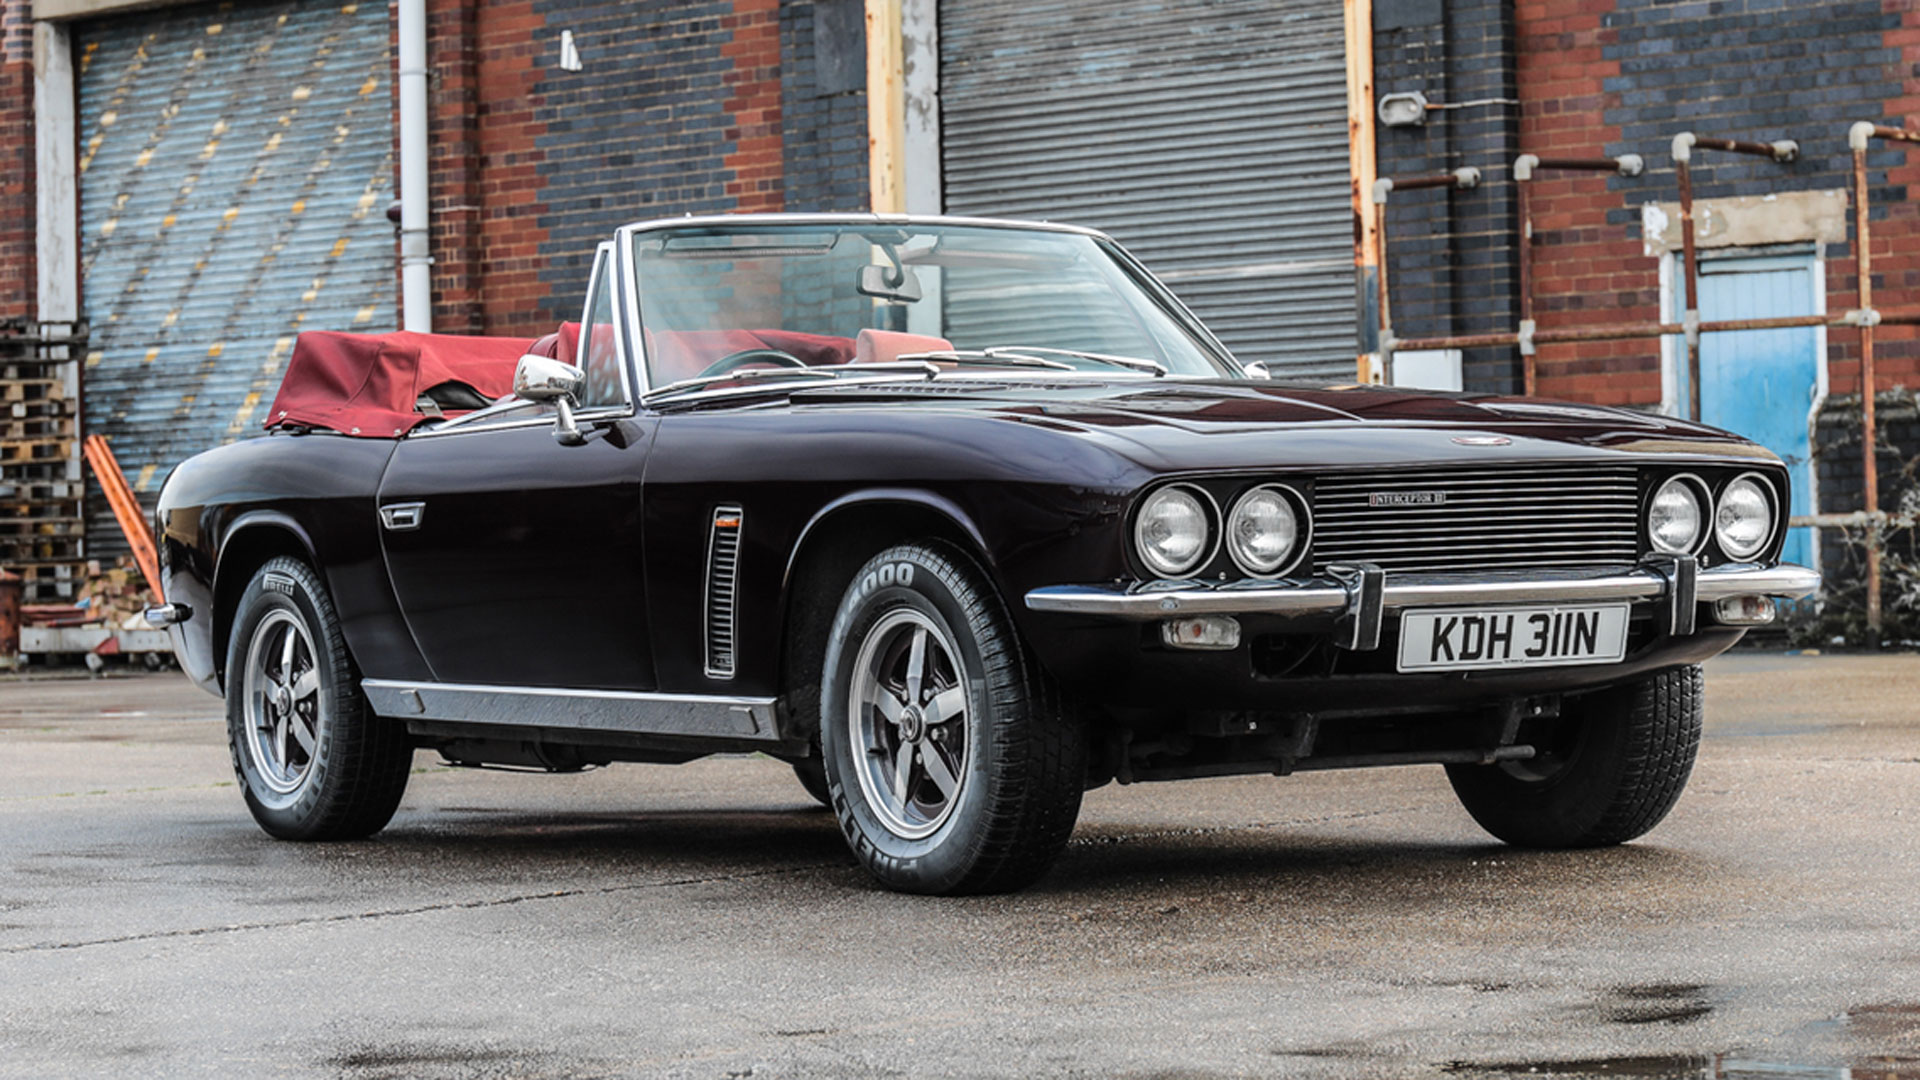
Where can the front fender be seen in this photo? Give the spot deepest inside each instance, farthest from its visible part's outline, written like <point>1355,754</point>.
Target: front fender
<point>225,512</point>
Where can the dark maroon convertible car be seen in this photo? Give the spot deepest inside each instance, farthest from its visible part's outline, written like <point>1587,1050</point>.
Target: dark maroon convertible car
<point>961,518</point>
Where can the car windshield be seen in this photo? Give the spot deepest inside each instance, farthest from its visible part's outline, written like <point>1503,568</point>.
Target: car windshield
<point>768,300</point>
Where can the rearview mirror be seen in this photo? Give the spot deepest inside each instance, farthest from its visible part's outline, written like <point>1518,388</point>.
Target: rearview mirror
<point>889,283</point>
<point>542,378</point>
<point>1258,370</point>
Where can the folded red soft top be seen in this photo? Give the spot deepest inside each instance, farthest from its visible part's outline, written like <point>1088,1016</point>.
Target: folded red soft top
<point>369,384</point>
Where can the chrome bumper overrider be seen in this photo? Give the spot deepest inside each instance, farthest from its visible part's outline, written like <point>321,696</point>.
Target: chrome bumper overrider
<point>1358,596</point>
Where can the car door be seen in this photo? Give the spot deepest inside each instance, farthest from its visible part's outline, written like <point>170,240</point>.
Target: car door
<point>518,560</point>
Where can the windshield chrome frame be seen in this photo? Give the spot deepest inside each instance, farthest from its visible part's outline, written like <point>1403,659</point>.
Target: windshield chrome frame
<point>607,260</point>
<point>642,386</point>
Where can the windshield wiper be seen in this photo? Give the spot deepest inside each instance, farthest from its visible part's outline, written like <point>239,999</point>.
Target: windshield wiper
<point>988,357</point>
<point>904,366</point>
<point>1137,363</point>
<point>699,381</point>
<point>926,364</point>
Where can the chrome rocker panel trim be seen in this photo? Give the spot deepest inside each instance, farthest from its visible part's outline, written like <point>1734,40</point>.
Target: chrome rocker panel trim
<point>633,713</point>
<point>1327,596</point>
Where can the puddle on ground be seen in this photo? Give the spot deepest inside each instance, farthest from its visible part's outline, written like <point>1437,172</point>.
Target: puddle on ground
<point>417,1061</point>
<point>1887,1037</point>
<point>1788,731</point>
<point>1889,1027</point>
<point>1690,1067</point>
<point>1657,1003</point>
<point>1667,1067</point>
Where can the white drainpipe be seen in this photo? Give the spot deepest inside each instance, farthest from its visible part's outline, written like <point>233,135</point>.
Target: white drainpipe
<point>416,261</point>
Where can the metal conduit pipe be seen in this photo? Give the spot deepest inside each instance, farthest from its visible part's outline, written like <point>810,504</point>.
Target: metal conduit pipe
<point>1783,151</point>
<point>1463,178</point>
<point>1622,331</point>
<point>1858,137</point>
<point>1524,167</point>
<point>416,257</point>
<point>1865,317</point>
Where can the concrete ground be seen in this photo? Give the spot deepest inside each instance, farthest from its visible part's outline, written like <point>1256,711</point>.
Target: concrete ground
<point>705,921</point>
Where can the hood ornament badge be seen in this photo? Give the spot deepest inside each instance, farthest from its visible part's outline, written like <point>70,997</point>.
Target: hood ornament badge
<point>1483,440</point>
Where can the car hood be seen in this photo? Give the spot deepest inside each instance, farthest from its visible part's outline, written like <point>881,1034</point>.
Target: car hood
<point>1194,424</point>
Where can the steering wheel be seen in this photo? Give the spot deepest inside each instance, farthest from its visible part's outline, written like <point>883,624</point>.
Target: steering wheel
<point>750,356</point>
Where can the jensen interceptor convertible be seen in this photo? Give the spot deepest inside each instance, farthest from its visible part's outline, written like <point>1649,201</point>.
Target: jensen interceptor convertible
<point>960,518</point>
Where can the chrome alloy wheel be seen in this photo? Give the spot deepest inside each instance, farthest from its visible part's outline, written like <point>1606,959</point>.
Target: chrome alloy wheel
<point>283,707</point>
<point>907,721</point>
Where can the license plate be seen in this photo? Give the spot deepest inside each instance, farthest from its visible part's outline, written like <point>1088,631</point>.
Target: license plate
<point>1467,639</point>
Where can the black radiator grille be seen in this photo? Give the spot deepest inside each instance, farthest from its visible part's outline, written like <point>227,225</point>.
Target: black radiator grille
<point>1513,517</point>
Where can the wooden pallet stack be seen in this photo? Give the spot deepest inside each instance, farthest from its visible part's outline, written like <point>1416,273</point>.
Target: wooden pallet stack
<point>42,528</point>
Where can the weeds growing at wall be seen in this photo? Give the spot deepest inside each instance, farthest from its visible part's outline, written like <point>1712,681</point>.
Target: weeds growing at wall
<point>1839,616</point>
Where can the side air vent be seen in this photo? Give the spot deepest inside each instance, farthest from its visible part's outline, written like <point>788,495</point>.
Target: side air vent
<point>723,561</point>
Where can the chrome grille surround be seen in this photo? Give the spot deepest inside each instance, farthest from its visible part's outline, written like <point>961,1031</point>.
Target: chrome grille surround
<point>1517,516</point>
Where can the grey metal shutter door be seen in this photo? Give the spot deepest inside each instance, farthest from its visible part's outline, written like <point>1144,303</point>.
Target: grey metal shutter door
<point>1208,136</point>
<point>235,170</point>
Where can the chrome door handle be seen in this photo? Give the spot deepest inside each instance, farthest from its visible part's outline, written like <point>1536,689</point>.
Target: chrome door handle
<point>400,517</point>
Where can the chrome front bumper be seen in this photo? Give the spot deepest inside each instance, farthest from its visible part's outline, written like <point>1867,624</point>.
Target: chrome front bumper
<point>1359,596</point>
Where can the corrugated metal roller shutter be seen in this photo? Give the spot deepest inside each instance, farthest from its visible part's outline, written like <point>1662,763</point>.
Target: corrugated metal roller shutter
<point>1208,137</point>
<point>236,165</point>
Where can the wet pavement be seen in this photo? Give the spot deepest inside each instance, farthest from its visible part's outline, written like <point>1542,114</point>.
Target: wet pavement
<point>704,921</point>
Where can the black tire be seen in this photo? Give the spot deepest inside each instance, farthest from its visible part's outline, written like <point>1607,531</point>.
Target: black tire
<point>348,783</point>
<point>1014,763</point>
<point>1610,769</point>
<point>812,774</point>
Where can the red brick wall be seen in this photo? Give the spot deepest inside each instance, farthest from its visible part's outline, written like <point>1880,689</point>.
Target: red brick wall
<point>453,98</point>
<point>506,189</point>
<point>532,164</point>
<point>484,233</point>
<point>1596,80</point>
<point>17,286</point>
<point>1587,269</point>
<point>754,105</point>
<point>1896,237</point>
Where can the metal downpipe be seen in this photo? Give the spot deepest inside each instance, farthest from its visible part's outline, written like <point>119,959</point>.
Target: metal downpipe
<point>416,258</point>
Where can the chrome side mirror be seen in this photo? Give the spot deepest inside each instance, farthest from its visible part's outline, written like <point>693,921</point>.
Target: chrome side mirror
<point>542,378</point>
<point>1257,369</point>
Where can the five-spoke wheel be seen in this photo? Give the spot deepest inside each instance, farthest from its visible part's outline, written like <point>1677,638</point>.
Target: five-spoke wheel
<point>281,695</point>
<point>909,716</point>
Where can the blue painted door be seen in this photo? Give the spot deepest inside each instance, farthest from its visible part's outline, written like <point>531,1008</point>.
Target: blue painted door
<point>1760,383</point>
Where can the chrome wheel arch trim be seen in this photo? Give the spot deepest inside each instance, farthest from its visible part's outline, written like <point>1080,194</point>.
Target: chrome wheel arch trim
<point>881,496</point>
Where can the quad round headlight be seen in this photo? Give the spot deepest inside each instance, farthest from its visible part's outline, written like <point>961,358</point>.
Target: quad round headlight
<point>1676,518</point>
<point>1743,522</point>
<point>1174,530</point>
<point>1263,531</point>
